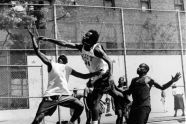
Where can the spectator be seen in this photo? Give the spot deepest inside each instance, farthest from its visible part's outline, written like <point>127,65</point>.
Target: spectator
<point>108,104</point>
<point>178,100</point>
<point>163,100</point>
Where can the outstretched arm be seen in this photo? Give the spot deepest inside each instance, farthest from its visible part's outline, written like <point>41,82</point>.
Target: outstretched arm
<point>42,56</point>
<point>168,84</point>
<point>85,76</point>
<point>130,89</point>
<point>61,43</point>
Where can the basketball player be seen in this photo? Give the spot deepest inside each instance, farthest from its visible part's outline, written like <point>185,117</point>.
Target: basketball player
<point>121,105</point>
<point>140,90</point>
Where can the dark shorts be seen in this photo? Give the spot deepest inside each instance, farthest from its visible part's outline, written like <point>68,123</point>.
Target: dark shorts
<point>103,84</point>
<point>89,103</point>
<point>139,115</point>
<point>121,103</point>
<point>121,107</point>
<point>49,104</point>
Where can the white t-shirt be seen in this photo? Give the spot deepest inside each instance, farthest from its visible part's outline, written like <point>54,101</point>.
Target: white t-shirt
<point>177,90</point>
<point>58,80</point>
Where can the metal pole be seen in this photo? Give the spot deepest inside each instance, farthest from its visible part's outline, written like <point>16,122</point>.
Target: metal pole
<point>56,50</point>
<point>42,81</point>
<point>55,30</point>
<point>42,86</point>
<point>124,44</point>
<point>181,44</point>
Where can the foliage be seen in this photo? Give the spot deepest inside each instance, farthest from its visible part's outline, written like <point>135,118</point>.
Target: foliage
<point>10,19</point>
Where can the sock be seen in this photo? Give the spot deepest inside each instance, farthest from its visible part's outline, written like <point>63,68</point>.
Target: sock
<point>94,122</point>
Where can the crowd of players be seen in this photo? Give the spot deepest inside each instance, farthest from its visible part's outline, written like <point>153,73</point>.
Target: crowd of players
<point>100,82</point>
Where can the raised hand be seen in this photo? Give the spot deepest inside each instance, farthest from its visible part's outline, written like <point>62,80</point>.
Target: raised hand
<point>30,32</point>
<point>42,38</point>
<point>176,77</point>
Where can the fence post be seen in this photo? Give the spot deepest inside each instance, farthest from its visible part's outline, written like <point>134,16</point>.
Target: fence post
<point>181,44</point>
<point>42,82</point>
<point>124,43</point>
<point>55,30</point>
<point>42,86</point>
<point>56,49</point>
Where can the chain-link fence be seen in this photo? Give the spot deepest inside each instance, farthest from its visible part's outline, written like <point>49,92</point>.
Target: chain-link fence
<point>138,30</point>
<point>154,31</point>
<point>123,32</point>
<point>16,82</point>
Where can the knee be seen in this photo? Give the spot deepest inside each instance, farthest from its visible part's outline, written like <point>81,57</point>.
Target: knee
<point>38,119</point>
<point>80,106</point>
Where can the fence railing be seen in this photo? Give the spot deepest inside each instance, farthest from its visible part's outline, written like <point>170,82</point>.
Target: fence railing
<point>123,31</point>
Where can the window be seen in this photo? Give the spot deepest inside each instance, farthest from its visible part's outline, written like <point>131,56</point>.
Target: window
<point>112,2</point>
<point>145,4</point>
<point>110,36</point>
<point>14,92</point>
<point>179,5</point>
<point>19,88</point>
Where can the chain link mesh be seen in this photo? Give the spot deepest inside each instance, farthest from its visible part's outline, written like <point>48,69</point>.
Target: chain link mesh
<point>15,83</point>
<point>145,32</point>
<point>156,31</point>
<point>152,30</point>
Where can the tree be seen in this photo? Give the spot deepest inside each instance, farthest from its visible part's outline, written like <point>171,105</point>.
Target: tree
<point>11,18</point>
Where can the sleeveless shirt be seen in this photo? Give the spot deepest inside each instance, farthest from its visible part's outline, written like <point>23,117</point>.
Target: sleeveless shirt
<point>58,80</point>
<point>92,62</point>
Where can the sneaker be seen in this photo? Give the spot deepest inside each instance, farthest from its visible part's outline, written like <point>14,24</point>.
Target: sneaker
<point>70,122</point>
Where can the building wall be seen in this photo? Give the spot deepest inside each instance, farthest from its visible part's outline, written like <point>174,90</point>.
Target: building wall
<point>161,69</point>
<point>143,30</point>
<point>157,4</point>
